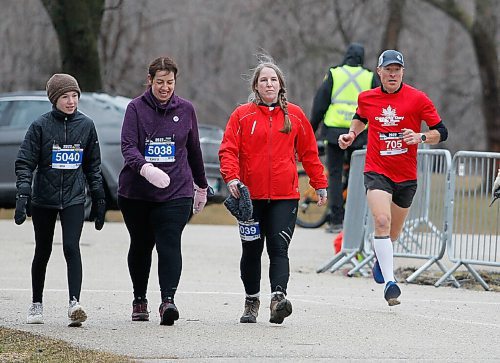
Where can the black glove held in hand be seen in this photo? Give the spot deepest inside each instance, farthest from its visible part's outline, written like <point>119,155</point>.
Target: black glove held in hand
<point>23,209</point>
<point>98,212</point>
<point>242,207</point>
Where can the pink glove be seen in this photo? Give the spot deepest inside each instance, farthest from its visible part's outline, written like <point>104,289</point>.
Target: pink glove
<point>155,176</point>
<point>200,199</point>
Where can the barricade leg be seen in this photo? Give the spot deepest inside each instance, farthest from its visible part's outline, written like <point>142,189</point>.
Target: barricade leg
<point>421,269</point>
<point>331,262</point>
<point>428,264</point>
<point>452,278</point>
<point>448,274</point>
<point>359,266</point>
<point>477,277</point>
<point>346,259</point>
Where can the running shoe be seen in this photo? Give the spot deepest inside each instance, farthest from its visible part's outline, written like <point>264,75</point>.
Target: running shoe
<point>140,310</point>
<point>280,307</point>
<point>391,293</point>
<point>168,312</point>
<point>76,314</point>
<point>377,273</point>
<point>35,314</point>
<point>251,311</point>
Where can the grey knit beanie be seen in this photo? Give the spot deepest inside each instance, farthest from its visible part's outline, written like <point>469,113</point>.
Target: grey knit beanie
<point>59,84</point>
<point>241,207</point>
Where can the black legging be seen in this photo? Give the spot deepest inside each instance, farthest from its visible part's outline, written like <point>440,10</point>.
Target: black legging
<point>277,223</point>
<point>160,224</point>
<point>44,222</point>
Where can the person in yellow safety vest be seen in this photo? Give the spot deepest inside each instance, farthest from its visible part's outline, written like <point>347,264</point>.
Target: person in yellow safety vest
<point>334,105</point>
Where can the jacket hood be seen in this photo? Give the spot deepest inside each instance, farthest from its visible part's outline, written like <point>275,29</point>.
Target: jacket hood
<point>152,102</point>
<point>355,55</point>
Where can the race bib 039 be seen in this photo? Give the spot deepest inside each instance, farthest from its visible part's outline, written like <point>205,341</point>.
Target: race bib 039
<point>249,231</point>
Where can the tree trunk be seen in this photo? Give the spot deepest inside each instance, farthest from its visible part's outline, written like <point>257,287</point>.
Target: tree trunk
<point>77,24</point>
<point>482,31</point>
<point>394,24</point>
<point>483,38</point>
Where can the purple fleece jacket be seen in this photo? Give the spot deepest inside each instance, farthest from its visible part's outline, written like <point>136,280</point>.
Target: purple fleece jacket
<point>146,119</point>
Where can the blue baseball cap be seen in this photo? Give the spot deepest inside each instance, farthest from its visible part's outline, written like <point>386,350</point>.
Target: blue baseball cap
<point>390,57</point>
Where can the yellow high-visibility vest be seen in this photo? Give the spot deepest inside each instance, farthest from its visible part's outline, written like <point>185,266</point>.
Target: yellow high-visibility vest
<point>348,83</point>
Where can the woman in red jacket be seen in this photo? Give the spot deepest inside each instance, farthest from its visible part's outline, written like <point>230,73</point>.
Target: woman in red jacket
<point>263,140</point>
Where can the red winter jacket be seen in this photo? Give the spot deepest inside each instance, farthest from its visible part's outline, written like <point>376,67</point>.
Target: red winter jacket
<point>254,151</point>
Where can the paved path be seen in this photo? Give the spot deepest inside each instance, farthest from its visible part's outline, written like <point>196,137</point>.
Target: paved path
<point>335,318</point>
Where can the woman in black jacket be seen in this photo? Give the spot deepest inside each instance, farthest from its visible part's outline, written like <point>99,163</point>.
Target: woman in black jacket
<point>62,147</point>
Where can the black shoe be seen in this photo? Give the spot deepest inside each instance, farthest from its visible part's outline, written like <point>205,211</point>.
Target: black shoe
<point>280,307</point>
<point>140,310</point>
<point>251,312</point>
<point>168,312</point>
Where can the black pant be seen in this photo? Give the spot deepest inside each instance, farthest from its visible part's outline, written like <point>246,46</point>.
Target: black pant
<point>44,222</point>
<point>160,224</point>
<point>277,223</point>
<point>335,158</point>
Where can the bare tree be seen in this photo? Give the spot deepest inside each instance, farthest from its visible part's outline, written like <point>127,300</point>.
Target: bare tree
<point>394,23</point>
<point>77,24</point>
<point>215,42</point>
<point>481,27</point>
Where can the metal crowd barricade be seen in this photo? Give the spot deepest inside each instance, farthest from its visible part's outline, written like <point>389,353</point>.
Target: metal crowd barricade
<point>423,235</point>
<point>424,232</point>
<point>473,233</point>
<point>355,218</point>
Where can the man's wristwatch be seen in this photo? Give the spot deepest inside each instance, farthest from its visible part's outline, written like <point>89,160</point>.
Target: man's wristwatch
<point>423,138</point>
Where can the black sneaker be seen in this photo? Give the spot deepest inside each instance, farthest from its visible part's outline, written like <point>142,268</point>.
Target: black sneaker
<point>168,312</point>
<point>391,293</point>
<point>280,307</point>
<point>251,312</point>
<point>140,310</point>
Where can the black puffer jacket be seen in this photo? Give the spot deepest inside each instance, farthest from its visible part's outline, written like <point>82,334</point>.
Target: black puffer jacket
<point>59,188</point>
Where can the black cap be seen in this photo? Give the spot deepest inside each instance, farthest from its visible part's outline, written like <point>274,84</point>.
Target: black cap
<point>390,57</point>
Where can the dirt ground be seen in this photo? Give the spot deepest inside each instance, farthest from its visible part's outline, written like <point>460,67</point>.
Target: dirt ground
<point>466,280</point>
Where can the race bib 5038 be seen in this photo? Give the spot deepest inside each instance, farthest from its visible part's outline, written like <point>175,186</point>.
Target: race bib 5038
<point>160,151</point>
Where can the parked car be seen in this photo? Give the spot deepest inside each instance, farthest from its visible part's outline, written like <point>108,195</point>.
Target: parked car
<point>19,109</point>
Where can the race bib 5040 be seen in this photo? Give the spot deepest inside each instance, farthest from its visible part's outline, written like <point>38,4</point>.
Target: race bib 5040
<point>66,157</point>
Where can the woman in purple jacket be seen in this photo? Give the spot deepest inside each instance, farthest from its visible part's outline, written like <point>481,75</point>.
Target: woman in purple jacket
<point>163,171</point>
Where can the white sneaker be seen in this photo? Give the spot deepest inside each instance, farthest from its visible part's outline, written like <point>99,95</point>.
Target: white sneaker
<point>35,314</point>
<point>76,314</point>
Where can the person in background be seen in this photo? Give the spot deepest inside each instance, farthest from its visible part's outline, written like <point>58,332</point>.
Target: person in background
<point>334,105</point>
<point>60,154</point>
<point>262,142</point>
<point>162,182</point>
<point>394,113</point>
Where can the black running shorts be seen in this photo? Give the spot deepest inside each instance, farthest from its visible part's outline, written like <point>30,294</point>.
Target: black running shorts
<point>402,193</point>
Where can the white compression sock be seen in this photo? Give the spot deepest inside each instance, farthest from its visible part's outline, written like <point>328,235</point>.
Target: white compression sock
<point>384,251</point>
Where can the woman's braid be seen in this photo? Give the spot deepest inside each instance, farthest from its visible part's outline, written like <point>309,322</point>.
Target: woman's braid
<point>287,125</point>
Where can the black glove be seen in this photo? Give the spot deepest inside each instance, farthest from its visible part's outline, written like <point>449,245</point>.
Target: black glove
<point>23,208</point>
<point>496,195</point>
<point>242,207</point>
<point>98,212</point>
